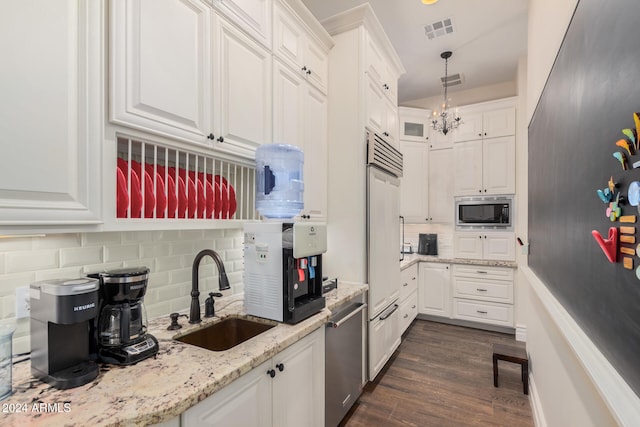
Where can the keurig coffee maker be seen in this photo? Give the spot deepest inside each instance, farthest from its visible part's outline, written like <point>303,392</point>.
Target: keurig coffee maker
<point>283,270</point>
<point>61,313</point>
<point>121,333</point>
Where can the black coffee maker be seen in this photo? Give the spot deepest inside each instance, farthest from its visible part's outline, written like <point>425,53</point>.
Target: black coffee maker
<point>120,333</point>
<point>427,244</point>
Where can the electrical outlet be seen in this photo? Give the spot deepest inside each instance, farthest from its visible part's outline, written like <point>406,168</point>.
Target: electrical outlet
<point>23,307</point>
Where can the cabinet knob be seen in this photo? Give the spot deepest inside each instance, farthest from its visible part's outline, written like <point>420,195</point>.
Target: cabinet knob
<point>405,284</point>
<point>480,237</point>
<point>479,191</point>
<point>447,267</point>
<point>485,190</point>
<point>485,134</point>
<point>304,68</point>
<point>308,71</point>
<point>280,367</point>
<point>221,139</point>
<point>271,373</point>
<point>211,136</point>
<point>413,306</point>
<point>406,315</point>
<point>480,134</point>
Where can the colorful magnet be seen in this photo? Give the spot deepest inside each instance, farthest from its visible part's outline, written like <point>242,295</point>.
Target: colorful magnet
<point>621,158</point>
<point>630,133</point>
<point>638,273</point>
<point>628,263</point>
<point>633,194</point>
<point>636,164</point>
<point>609,245</point>
<point>636,120</point>
<point>638,250</point>
<point>613,211</point>
<point>612,185</point>
<point>627,251</point>
<point>605,195</point>
<point>623,143</point>
<point>627,239</point>
<point>628,230</point>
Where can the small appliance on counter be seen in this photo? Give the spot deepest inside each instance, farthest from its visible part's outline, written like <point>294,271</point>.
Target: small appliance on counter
<point>121,334</point>
<point>427,244</point>
<point>61,312</point>
<point>283,270</point>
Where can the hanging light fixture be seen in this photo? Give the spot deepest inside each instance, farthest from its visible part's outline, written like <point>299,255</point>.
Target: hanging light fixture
<point>446,120</point>
<point>429,1</point>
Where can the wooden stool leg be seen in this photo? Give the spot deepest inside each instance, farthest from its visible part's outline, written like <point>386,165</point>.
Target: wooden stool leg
<point>495,370</point>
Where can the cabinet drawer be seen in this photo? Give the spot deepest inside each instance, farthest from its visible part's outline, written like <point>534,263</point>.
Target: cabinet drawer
<point>408,311</point>
<point>408,281</point>
<point>486,290</point>
<point>485,312</point>
<point>481,272</point>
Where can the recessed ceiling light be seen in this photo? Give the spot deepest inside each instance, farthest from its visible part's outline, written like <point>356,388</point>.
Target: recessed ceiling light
<point>429,1</point>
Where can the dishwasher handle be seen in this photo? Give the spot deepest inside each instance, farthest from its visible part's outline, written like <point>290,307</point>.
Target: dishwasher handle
<point>340,322</point>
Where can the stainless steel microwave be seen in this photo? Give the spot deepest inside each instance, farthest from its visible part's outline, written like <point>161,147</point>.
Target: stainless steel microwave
<point>486,212</point>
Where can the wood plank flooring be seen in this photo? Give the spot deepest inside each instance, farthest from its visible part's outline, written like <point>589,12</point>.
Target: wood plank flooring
<point>442,376</point>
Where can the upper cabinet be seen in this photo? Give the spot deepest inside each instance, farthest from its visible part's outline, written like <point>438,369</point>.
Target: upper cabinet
<point>253,16</point>
<point>491,123</point>
<point>204,82</point>
<point>414,124</point>
<point>50,116</point>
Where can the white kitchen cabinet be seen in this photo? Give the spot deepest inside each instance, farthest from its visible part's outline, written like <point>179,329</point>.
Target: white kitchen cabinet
<point>283,391</point>
<point>253,16</point>
<point>484,245</point>
<point>161,81</point>
<point>483,294</point>
<point>408,296</point>
<point>382,115</point>
<point>379,70</point>
<point>296,47</point>
<point>384,339</point>
<point>50,116</point>
<point>484,167</point>
<point>486,123</point>
<point>427,184</point>
<point>414,124</point>
<point>434,289</point>
<point>244,92</point>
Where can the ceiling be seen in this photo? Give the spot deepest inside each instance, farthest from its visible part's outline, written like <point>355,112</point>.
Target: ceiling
<point>488,38</point>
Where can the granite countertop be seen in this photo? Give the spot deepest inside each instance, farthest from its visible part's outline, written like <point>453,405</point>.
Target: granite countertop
<point>158,389</point>
<point>410,259</point>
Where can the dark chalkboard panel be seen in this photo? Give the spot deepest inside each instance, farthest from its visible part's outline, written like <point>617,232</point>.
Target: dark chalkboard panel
<point>590,95</point>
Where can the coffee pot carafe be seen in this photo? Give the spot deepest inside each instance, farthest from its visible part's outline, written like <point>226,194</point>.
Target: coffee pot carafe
<point>121,333</point>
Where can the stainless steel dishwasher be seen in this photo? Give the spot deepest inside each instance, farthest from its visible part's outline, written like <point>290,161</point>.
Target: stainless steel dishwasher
<point>344,343</point>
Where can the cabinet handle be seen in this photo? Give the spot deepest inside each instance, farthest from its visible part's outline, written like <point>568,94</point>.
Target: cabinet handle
<point>405,316</point>
<point>481,312</point>
<point>385,316</point>
<point>280,367</point>
<point>481,272</point>
<point>413,278</point>
<point>304,68</point>
<point>211,136</point>
<point>271,373</point>
<point>221,139</point>
<point>481,290</point>
<point>309,71</point>
<point>406,284</point>
<point>413,306</point>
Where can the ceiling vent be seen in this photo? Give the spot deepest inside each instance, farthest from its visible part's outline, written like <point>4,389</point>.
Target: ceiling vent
<point>452,80</point>
<point>439,28</point>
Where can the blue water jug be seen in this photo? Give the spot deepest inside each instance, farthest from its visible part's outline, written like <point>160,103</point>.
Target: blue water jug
<point>279,181</point>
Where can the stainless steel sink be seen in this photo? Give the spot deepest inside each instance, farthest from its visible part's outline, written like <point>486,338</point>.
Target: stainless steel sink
<point>225,334</point>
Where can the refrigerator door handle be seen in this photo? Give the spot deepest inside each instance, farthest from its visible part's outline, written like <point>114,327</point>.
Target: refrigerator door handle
<point>384,316</point>
<point>402,247</point>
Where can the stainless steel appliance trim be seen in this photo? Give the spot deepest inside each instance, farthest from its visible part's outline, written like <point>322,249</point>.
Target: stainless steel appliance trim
<point>386,314</point>
<point>477,200</point>
<point>360,307</point>
<point>383,155</point>
<point>124,279</point>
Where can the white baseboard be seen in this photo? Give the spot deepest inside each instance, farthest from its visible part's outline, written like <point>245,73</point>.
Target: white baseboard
<point>521,333</point>
<point>536,406</point>
<point>621,400</point>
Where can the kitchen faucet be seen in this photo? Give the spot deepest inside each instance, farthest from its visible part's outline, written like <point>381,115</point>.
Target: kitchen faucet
<point>223,282</point>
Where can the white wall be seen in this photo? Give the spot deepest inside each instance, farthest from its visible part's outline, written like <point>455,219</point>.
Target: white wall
<point>168,254</point>
<point>467,97</point>
<point>563,392</point>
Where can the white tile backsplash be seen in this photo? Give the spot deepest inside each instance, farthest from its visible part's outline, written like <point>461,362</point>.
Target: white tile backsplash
<point>168,254</point>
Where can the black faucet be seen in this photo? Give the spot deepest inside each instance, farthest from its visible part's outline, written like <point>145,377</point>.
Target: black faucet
<point>223,282</point>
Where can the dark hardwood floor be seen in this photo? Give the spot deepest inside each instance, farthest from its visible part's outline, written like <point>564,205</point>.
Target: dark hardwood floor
<point>442,375</point>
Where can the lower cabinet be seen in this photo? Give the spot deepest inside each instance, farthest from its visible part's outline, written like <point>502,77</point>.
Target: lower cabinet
<point>434,294</point>
<point>286,390</point>
<point>485,245</point>
<point>384,338</point>
<point>408,296</point>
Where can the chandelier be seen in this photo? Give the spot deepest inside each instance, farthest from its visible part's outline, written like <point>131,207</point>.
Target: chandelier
<point>445,120</point>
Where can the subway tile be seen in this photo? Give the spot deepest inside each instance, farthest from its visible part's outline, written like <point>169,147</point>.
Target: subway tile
<point>60,273</point>
<point>167,235</point>
<point>121,253</point>
<point>95,268</point>
<point>200,245</point>
<point>22,261</point>
<point>179,276</point>
<point>157,280</point>
<point>223,244</point>
<point>233,254</point>
<point>150,263</point>
<point>238,242</point>
<point>58,241</point>
<point>234,232</point>
<point>191,234</point>
<point>103,238</point>
<point>81,256</point>
<point>213,234</point>
<point>2,263</point>
<point>21,344</point>
<point>9,282</point>
<point>178,305</point>
<point>7,306</point>
<point>138,236</point>
<point>160,309</point>
<point>238,265</point>
<point>169,263</point>
<point>182,248</point>
<point>166,293</point>
<point>10,244</point>
<point>155,249</point>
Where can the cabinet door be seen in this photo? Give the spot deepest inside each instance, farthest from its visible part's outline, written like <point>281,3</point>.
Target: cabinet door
<point>288,106</point>
<point>470,129</point>
<point>467,168</point>
<point>245,402</point>
<point>468,245</point>
<point>500,122</point>
<point>288,38</point>
<point>160,79</point>
<point>50,116</point>
<point>413,190</point>
<point>390,126</point>
<point>438,140</point>
<point>316,61</point>
<point>441,179</point>
<point>408,281</point>
<point>434,294</point>
<point>298,389</point>
<point>375,107</point>
<point>408,311</point>
<point>499,246</point>
<point>499,165</point>
<point>384,338</point>
<point>244,69</point>
<point>413,127</point>
<point>315,153</point>
<point>254,16</point>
